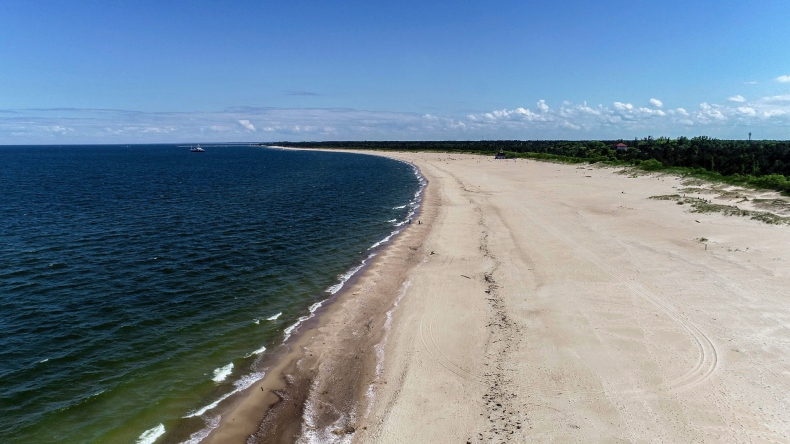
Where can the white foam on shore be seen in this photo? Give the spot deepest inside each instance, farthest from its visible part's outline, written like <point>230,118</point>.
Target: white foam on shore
<point>379,348</point>
<point>296,325</point>
<point>289,330</point>
<point>151,435</point>
<point>413,205</point>
<point>345,277</point>
<point>220,374</point>
<point>201,434</point>
<point>243,383</point>
<point>206,408</point>
<point>256,321</point>
<point>384,240</point>
<point>256,352</point>
<point>312,434</point>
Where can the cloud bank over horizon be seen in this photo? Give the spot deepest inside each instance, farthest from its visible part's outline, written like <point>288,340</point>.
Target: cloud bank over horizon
<point>391,71</point>
<point>767,118</point>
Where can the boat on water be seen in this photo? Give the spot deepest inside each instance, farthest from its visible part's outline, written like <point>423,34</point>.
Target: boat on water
<point>197,149</point>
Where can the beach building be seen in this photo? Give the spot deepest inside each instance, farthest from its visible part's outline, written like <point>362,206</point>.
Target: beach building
<point>621,146</point>
<point>500,154</point>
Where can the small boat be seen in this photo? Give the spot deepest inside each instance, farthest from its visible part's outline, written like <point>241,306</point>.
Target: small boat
<point>197,149</point>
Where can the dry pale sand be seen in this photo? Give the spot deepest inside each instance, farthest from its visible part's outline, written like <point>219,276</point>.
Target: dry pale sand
<point>560,304</point>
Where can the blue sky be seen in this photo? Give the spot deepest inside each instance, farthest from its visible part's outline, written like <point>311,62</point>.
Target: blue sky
<point>145,71</point>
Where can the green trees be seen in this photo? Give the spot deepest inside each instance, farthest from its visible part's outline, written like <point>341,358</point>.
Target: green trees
<point>651,165</point>
<point>766,159</point>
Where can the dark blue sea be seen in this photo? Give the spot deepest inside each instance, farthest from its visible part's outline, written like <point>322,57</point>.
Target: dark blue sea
<point>141,285</point>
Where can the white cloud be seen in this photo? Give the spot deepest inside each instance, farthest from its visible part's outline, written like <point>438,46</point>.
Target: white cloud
<point>708,112</point>
<point>627,111</point>
<point>657,103</point>
<point>770,116</point>
<point>566,124</point>
<point>711,119</point>
<point>504,114</point>
<point>782,98</point>
<point>783,79</point>
<point>623,106</point>
<point>750,83</point>
<point>216,128</point>
<point>154,129</point>
<point>736,98</point>
<point>60,129</point>
<point>775,112</point>
<point>247,125</point>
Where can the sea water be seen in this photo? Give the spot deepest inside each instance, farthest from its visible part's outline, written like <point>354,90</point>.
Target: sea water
<point>142,285</point>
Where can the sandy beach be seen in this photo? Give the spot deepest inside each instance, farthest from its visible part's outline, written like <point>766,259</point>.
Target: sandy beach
<point>540,302</point>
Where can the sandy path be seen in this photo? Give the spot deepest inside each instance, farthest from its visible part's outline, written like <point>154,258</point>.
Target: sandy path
<point>561,304</point>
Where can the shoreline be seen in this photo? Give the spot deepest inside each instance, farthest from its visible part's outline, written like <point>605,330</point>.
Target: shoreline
<point>271,408</point>
<point>545,302</point>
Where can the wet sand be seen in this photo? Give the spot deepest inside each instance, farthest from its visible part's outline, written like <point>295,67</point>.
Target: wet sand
<point>543,302</point>
<point>318,389</point>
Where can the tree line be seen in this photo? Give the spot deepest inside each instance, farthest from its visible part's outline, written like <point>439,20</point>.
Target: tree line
<point>759,162</point>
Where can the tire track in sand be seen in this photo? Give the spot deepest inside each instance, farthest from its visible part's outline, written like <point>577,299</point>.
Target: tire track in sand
<point>428,340</point>
<point>707,360</point>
